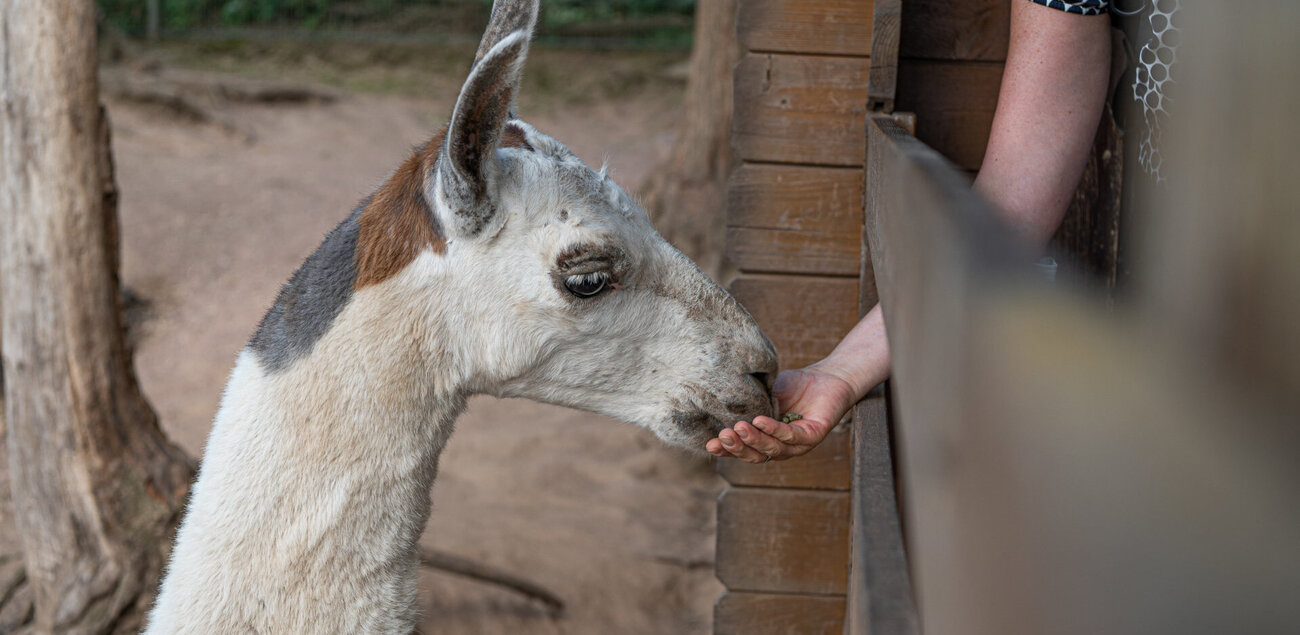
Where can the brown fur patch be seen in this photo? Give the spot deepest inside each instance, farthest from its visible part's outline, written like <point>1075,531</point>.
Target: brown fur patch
<point>398,223</point>
<point>512,136</point>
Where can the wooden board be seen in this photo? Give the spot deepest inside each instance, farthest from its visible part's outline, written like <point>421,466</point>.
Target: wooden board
<point>810,110</point>
<point>805,316</point>
<point>947,30</point>
<point>800,109</point>
<point>880,586</point>
<point>954,104</point>
<point>785,251</point>
<point>791,541</point>
<point>882,83</point>
<point>795,219</point>
<point>798,198</point>
<point>827,27</point>
<point>827,466</point>
<point>739,613</point>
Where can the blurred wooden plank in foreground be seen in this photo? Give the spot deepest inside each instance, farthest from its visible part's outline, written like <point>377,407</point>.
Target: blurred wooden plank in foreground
<point>1069,469</point>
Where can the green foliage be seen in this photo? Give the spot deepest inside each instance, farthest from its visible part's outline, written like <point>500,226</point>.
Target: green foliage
<point>566,12</point>
<point>130,15</point>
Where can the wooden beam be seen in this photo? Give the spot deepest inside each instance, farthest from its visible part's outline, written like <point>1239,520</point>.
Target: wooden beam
<point>825,27</point>
<point>789,541</point>
<point>800,109</point>
<point>739,613</point>
<point>970,30</point>
<point>880,585</point>
<point>882,82</point>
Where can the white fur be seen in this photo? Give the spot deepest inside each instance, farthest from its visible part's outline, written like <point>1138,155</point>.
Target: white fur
<point>315,482</point>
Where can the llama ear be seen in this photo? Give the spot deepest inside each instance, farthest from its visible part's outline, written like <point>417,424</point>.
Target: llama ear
<point>508,16</point>
<point>468,167</point>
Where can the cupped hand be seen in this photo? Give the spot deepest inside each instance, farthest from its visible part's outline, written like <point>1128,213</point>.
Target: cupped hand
<point>820,395</point>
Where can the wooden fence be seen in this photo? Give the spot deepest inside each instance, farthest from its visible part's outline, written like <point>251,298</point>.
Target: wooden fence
<point>1065,467</point>
<point>1046,458</point>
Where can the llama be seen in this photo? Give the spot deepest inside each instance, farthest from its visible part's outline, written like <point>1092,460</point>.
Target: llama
<point>491,261</point>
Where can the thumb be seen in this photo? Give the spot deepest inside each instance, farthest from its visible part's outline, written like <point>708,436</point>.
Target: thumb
<point>788,387</point>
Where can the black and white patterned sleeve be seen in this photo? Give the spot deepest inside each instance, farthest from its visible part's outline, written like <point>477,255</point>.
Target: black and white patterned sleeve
<point>1081,7</point>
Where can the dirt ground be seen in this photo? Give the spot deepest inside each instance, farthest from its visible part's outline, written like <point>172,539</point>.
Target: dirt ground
<point>216,217</point>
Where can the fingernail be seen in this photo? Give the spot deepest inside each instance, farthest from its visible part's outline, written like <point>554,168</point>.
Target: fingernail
<point>744,434</point>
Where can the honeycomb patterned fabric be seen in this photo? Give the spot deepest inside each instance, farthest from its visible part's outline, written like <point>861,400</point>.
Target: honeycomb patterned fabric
<point>1155,71</point>
<point>1155,67</point>
<point>1082,7</point>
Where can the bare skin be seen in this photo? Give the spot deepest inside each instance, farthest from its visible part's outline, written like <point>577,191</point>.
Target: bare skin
<point>1053,89</point>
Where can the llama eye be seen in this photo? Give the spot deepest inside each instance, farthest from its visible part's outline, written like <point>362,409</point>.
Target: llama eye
<point>585,285</point>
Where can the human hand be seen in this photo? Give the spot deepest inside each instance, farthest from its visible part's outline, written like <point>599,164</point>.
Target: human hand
<point>820,394</point>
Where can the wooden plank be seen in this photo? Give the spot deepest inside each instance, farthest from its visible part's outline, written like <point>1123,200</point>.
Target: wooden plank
<point>800,109</point>
<point>798,198</point>
<point>827,466</point>
<point>954,104</point>
<point>882,84</point>
<point>880,588</point>
<point>740,613</point>
<point>1089,234</point>
<point>794,219</point>
<point>805,316</point>
<point>826,27</point>
<point>973,30</point>
<point>790,541</point>
<point>783,251</point>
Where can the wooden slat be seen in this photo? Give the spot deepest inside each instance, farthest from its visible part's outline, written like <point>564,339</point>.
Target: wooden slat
<point>800,109</point>
<point>784,251</point>
<point>954,104</point>
<point>828,27</point>
<point>827,466</point>
<point>790,541</point>
<point>804,316</point>
<point>882,84</point>
<point>1088,237</point>
<point>739,613</point>
<point>976,30</point>
<point>880,586</point>
<point>797,198</point>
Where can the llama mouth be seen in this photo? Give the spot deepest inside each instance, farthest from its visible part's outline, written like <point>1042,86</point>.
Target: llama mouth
<point>705,411</point>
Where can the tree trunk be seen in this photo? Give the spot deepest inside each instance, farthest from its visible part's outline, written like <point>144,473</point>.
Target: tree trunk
<point>97,488</point>
<point>686,195</point>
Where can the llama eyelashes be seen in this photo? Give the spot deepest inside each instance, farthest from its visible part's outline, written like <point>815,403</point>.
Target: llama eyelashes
<point>586,285</point>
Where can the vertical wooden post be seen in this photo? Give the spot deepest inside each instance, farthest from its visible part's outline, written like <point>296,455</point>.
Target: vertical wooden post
<point>153,19</point>
<point>97,487</point>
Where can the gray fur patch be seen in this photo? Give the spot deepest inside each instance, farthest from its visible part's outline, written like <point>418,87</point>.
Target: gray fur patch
<point>313,297</point>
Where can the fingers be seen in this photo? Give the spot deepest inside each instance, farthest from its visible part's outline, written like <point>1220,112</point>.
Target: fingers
<point>757,439</point>
<point>735,447</point>
<point>805,432</point>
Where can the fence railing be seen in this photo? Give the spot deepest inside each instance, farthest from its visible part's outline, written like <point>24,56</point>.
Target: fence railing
<point>1062,468</point>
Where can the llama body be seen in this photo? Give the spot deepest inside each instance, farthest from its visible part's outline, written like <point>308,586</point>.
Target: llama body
<point>492,261</point>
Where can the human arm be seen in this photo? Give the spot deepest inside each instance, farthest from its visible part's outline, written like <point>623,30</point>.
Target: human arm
<point>1053,89</point>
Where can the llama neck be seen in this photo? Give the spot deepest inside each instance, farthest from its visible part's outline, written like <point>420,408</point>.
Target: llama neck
<point>315,482</point>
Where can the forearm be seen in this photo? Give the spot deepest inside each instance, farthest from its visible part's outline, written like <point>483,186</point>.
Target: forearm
<point>861,359</point>
<point>1053,89</point>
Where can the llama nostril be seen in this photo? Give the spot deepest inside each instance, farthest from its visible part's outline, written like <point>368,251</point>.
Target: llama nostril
<point>764,380</point>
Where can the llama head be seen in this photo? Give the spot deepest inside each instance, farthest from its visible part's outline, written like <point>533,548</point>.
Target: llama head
<point>569,295</point>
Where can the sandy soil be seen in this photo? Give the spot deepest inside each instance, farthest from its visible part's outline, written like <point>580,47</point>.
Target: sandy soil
<point>596,510</point>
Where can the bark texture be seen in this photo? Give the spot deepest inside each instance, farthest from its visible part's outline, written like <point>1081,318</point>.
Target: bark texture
<point>686,196</point>
<point>97,488</point>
